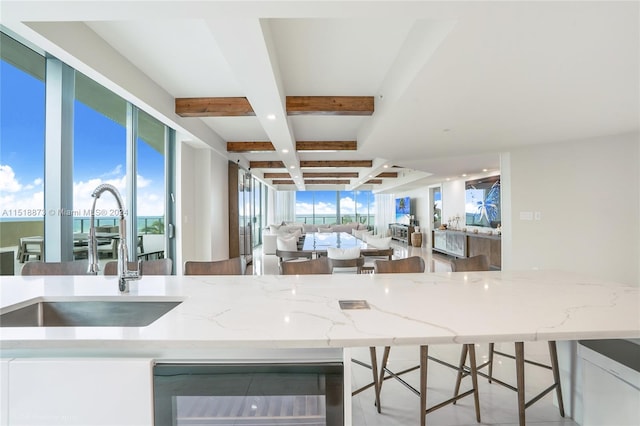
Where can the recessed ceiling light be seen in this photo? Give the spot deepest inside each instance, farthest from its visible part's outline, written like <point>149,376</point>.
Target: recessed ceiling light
<point>464,175</point>
<point>485,170</point>
<point>271,117</point>
<point>292,166</point>
<point>386,166</point>
<point>285,151</point>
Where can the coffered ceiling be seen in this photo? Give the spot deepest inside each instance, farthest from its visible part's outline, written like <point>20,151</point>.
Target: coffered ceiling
<point>379,95</point>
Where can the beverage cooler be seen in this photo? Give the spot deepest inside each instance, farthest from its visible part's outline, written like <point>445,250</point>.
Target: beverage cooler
<point>307,393</point>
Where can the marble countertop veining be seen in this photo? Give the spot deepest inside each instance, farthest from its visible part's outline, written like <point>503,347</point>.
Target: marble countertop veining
<point>279,312</point>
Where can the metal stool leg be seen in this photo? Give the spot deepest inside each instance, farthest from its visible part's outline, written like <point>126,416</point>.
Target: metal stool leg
<point>374,372</point>
<point>424,352</point>
<point>385,359</point>
<point>474,379</point>
<point>520,381</point>
<point>463,360</point>
<point>491,349</point>
<point>553,354</point>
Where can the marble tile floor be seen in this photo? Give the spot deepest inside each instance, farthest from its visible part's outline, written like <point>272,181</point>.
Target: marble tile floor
<point>400,407</point>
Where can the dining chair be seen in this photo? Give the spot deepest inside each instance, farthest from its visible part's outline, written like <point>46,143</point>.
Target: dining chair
<point>406,265</point>
<point>285,255</point>
<point>147,267</point>
<point>467,264</point>
<point>481,263</point>
<point>305,267</point>
<point>356,263</point>
<point>30,246</point>
<point>372,254</point>
<point>75,267</point>
<point>416,264</point>
<point>233,266</point>
<point>349,258</point>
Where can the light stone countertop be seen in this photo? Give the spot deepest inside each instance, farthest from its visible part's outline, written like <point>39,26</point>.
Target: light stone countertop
<point>280,312</point>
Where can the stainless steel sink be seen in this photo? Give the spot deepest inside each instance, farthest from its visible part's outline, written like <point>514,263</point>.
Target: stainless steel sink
<point>87,313</point>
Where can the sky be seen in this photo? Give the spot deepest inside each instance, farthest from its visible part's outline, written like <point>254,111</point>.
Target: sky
<point>325,202</point>
<point>99,153</point>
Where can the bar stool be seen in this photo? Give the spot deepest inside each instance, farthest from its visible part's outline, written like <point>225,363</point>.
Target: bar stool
<point>481,263</point>
<point>416,264</point>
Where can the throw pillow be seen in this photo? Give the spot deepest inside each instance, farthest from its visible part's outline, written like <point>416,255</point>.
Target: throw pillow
<point>287,243</point>
<point>343,253</point>
<point>377,242</point>
<point>274,228</point>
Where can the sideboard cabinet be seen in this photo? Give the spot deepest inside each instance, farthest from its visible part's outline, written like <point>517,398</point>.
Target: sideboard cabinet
<point>401,232</point>
<point>463,244</point>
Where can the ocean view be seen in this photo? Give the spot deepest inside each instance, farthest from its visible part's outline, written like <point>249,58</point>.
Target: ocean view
<point>146,224</point>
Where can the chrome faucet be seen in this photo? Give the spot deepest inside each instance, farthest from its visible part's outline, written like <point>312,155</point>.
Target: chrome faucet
<point>124,274</point>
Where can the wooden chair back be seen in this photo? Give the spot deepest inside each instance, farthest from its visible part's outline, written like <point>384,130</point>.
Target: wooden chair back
<point>148,267</point>
<point>233,266</point>
<point>75,267</point>
<point>284,255</point>
<point>407,265</point>
<point>306,267</point>
<point>376,252</point>
<point>357,263</point>
<point>467,264</point>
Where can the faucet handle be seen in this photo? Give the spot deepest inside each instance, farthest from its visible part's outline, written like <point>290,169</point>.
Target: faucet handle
<point>139,268</point>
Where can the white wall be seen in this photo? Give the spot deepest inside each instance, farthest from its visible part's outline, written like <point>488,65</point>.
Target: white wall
<point>202,206</point>
<point>587,193</point>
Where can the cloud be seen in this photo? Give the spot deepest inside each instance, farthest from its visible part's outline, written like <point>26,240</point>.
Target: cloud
<point>13,204</point>
<point>8,181</point>
<point>117,171</point>
<point>150,199</point>
<point>16,198</point>
<point>348,206</point>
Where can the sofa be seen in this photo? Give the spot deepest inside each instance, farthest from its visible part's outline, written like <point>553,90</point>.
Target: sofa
<point>270,234</point>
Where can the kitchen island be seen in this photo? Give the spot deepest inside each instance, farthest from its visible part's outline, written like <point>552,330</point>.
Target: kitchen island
<point>285,317</point>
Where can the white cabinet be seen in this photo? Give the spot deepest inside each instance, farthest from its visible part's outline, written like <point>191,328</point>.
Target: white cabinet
<point>80,391</point>
<point>4,391</point>
<point>611,382</point>
<point>450,242</point>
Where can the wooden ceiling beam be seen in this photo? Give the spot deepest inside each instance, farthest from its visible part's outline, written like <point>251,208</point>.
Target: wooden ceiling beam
<point>326,146</point>
<point>282,182</point>
<point>330,175</point>
<point>374,181</point>
<point>330,105</point>
<point>388,175</point>
<point>250,147</point>
<point>213,107</point>
<point>276,175</point>
<point>337,163</point>
<point>267,165</point>
<point>326,182</point>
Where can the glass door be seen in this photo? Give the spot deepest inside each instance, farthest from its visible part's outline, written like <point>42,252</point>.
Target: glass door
<point>249,394</point>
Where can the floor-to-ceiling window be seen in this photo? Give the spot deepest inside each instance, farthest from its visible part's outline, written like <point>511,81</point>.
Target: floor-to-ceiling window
<point>257,206</point>
<point>104,145</point>
<point>99,155</point>
<point>150,184</point>
<point>330,207</point>
<point>22,135</point>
